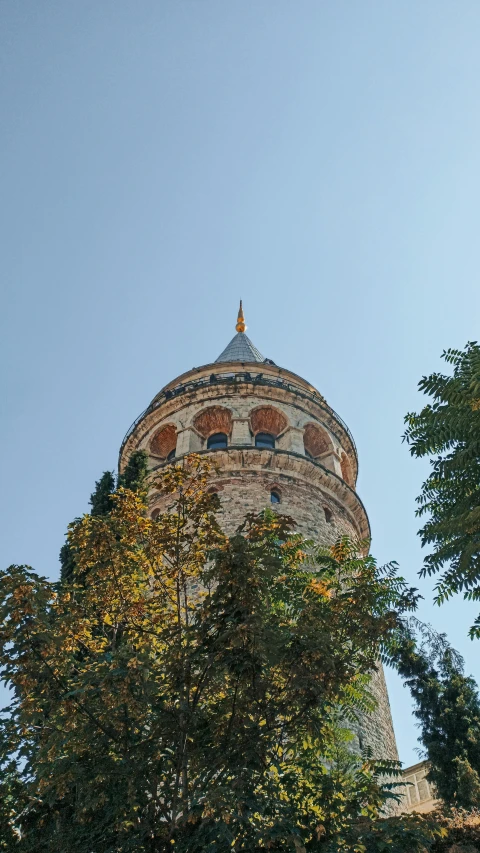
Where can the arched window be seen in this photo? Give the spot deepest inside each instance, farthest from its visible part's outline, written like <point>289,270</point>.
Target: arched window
<point>164,441</point>
<point>317,442</point>
<point>155,514</point>
<point>217,441</point>
<point>274,497</point>
<point>172,455</point>
<point>268,419</point>
<point>328,514</point>
<point>264,439</point>
<point>213,420</point>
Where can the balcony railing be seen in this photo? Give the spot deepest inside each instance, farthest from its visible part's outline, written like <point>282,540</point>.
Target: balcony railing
<point>234,379</point>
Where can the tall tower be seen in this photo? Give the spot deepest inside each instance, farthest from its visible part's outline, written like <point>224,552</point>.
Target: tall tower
<point>275,441</point>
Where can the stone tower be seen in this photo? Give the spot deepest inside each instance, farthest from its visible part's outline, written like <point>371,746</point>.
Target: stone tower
<point>275,440</point>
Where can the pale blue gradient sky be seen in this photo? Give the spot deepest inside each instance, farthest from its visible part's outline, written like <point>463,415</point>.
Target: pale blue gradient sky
<point>161,159</point>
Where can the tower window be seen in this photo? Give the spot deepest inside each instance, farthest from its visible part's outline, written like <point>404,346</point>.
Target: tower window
<point>264,439</point>
<point>274,497</point>
<point>328,514</point>
<point>317,442</point>
<point>217,441</point>
<point>164,441</point>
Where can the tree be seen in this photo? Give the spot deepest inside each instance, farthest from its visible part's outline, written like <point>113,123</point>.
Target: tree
<point>100,499</point>
<point>459,832</point>
<point>448,429</point>
<point>11,795</point>
<point>134,478</point>
<point>186,691</point>
<point>447,706</point>
<point>135,474</point>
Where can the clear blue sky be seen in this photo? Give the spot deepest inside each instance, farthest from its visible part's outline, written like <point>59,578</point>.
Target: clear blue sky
<point>162,158</point>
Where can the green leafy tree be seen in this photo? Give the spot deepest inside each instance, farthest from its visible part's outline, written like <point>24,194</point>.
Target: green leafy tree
<point>134,478</point>
<point>135,474</point>
<point>447,707</point>
<point>402,834</point>
<point>67,561</point>
<point>459,831</point>
<point>12,792</point>
<point>184,690</point>
<point>448,429</point>
<point>100,499</point>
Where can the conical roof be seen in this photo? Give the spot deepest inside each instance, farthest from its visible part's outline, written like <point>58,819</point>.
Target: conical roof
<point>240,347</point>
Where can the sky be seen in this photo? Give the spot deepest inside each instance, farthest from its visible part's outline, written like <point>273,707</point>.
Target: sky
<point>160,160</point>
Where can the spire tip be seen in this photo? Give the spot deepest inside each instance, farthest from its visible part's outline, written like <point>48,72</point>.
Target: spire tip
<point>241,325</point>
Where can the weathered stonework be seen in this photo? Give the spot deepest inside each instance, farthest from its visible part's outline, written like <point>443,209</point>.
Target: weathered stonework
<point>312,468</point>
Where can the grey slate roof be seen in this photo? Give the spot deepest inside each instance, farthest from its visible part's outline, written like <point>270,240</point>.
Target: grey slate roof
<point>240,348</point>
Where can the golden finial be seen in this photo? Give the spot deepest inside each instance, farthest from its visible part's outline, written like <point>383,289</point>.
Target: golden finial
<point>241,325</point>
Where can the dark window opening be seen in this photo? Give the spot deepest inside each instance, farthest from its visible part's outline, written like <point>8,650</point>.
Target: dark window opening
<point>328,514</point>
<point>274,497</point>
<point>264,439</point>
<point>155,514</point>
<point>171,455</point>
<point>217,441</point>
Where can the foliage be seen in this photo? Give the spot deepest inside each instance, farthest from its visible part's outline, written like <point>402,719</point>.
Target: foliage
<point>186,691</point>
<point>11,801</point>
<point>407,833</point>
<point>134,478</point>
<point>67,560</point>
<point>100,500</point>
<point>448,429</point>
<point>460,831</point>
<point>441,831</point>
<point>447,707</point>
<point>135,474</point>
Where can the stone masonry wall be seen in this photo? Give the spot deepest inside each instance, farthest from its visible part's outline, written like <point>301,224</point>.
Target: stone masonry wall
<point>316,493</point>
<point>248,490</point>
